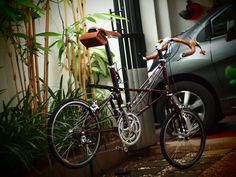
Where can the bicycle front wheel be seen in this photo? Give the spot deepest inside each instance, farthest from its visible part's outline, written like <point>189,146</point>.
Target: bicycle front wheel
<point>182,139</point>
<point>73,133</point>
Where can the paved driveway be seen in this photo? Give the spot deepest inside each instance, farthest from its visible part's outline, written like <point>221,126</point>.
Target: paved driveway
<point>219,158</point>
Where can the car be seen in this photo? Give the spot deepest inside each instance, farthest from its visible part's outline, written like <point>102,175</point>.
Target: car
<point>204,84</point>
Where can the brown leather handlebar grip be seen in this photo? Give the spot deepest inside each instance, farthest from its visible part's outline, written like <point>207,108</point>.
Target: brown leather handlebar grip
<point>176,39</point>
<point>192,46</point>
<point>152,56</point>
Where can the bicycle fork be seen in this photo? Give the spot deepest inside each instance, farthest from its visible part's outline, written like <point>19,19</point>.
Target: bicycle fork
<point>181,124</point>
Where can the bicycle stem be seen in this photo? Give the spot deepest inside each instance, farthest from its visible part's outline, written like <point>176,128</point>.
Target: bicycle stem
<point>163,65</point>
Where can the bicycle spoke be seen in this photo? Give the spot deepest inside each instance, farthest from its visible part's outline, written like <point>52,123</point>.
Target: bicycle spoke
<point>70,139</point>
<point>182,139</point>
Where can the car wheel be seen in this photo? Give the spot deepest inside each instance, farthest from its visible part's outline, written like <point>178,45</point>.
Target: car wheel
<point>191,96</point>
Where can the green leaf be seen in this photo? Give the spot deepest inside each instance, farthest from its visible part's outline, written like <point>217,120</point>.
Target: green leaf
<point>96,78</point>
<point>48,34</point>
<point>60,43</point>
<point>100,16</point>
<point>96,69</point>
<point>51,93</point>
<point>232,81</point>
<point>16,150</point>
<point>10,13</point>
<point>45,49</point>
<point>91,19</point>
<point>61,51</point>
<point>2,91</point>
<point>20,35</point>
<point>102,66</point>
<point>101,52</point>
<point>107,16</point>
<point>115,16</point>
<point>29,4</point>
<point>25,3</point>
<point>79,22</point>
<point>53,44</point>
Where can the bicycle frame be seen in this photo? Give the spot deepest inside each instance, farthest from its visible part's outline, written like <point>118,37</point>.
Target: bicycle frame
<point>145,90</point>
<point>75,126</point>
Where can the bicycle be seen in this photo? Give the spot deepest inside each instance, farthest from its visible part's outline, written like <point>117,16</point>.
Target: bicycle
<point>75,126</point>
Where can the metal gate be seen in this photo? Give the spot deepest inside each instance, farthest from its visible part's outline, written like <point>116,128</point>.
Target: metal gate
<point>132,43</point>
<point>132,48</point>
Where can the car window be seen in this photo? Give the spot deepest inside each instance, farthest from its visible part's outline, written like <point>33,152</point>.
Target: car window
<point>204,34</point>
<point>222,23</point>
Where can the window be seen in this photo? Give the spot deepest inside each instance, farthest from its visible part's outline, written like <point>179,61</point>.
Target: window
<point>204,34</point>
<point>222,23</point>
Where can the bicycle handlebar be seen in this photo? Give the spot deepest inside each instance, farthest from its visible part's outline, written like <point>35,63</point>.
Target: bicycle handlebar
<point>163,45</point>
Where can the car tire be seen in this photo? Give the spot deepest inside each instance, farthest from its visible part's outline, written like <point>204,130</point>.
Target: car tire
<point>194,97</point>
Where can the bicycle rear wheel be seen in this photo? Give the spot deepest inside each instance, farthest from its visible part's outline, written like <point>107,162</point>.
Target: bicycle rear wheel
<point>182,139</point>
<point>73,133</point>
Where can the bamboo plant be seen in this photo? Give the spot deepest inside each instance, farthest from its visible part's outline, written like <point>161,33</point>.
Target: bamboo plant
<point>22,127</point>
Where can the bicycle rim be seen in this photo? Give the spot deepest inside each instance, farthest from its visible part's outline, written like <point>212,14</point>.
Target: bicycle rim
<point>69,140</point>
<point>182,139</point>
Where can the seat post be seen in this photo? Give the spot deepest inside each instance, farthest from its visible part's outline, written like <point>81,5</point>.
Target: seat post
<point>108,51</point>
<point>113,74</point>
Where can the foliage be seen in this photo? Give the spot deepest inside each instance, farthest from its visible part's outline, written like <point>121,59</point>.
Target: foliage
<point>99,64</point>
<point>98,55</point>
<point>230,73</point>
<point>23,133</point>
<point>59,95</point>
<point>15,11</point>
<point>23,127</point>
<point>23,137</point>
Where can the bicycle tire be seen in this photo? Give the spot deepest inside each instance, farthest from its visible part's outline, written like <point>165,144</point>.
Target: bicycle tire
<point>67,127</point>
<point>182,149</point>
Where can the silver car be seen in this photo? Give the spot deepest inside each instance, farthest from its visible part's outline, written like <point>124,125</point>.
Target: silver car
<point>205,84</point>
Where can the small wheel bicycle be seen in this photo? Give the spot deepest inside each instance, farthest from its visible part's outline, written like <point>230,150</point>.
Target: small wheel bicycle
<point>75,126</point>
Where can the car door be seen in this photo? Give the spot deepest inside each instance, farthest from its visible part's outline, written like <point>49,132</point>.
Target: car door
<point>223,51</point>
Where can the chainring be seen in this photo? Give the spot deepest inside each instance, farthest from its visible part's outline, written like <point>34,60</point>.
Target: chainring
<point>130,130</point>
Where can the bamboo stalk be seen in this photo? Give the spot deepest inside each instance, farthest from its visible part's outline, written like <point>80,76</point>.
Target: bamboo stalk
<point>74,66</point>
<point>79,46</point>
<point>87,51</point>
<point>17,64</point>
<point>31,58</point>
<point>73,49</point>
<point>14,43</point>
<point>83,5</point>
<point>79,4</point>
<point>36,64</point>
<point>46,62</point>
<point>74,12</point>
<point>20,71</point>
<point>28,63</point>
<point>24,76</point>
<point>13,70</point>
<point>67,46</point>
<point>22,63</point>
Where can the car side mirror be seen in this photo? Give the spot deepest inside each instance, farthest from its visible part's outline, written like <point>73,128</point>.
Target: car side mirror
<point>231,34</point>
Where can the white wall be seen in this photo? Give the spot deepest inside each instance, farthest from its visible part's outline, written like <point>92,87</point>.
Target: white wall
<point>55,71</point>
<point>6,74</point>
<point>178,24</point>
<point>163,18</point>
<point>159,19</point>
<point>148,17</point>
